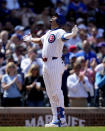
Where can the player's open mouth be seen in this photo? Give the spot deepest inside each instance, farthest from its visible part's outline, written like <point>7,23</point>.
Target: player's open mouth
<point>50,21</point>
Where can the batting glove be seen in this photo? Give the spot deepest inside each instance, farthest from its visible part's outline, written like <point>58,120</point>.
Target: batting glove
<point>27,38</point>
<point>75,30</point>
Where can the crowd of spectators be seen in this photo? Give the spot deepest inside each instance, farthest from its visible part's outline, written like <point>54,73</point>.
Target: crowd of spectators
<point>21,81</point>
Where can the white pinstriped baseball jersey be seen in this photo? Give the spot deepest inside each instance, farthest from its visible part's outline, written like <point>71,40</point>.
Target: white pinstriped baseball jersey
<point>52,43</point>
<point>53,69</point>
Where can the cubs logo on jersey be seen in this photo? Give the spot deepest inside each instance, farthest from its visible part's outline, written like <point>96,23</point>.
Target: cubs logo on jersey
<point>51,38</point>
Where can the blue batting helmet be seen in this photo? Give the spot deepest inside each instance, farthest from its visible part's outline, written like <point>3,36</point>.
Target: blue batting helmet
<point>61,20</point>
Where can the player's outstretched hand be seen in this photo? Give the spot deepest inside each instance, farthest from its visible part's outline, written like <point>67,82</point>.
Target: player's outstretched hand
<point>27,38</point>
<point>75,30</point>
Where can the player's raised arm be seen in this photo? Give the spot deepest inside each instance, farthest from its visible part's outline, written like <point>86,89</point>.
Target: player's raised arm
<point>29,38</point>
<point>67,36</point>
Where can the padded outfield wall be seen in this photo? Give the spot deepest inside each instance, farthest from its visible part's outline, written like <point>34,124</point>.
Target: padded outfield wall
<point>26,116</point>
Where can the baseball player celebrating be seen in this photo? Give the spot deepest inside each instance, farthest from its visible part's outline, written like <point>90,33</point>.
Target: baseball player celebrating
<point>53,66</point>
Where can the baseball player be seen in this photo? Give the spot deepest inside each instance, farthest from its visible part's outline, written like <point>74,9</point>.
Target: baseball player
<point>53,66</point>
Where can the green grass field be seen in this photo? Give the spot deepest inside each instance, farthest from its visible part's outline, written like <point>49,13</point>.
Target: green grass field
<point>52,129</point>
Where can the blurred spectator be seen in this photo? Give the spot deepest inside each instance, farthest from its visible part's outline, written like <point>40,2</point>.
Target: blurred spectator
<point>44,16</point>
<point>101,52</point>
<point>1,48</point>
<point>92,8</point>
<point>93,37</point>
<point>8,26</point>
<point>82,35</point>
<point>68,70</point>
<point>87,53</point>
<point>100,14</point>
<point>91,23</point>
<point>92,70</point>
<point>1,74</point>
<point>14,18</point>
<point>38,29</point>
<point>12,85</point>
<point>8,53</point>
<point>14,41</point>
<point>4,12</point>
<point>82,27</point>
<point>79,21</point>
<point>73,49</point>
<point>100,35</point>
<point>99,67</point>
<point>35,5</point>
<point>19,54</point>
<point>19,30</point>
<point>64,87</point>
<point>12,4</point>
<point>9,59</point>
<point>1,59</point>
<point>1,26</point>
<point>61,8</point>
<point>65,55</point>
<point>88,69</point>
<point>78,7</point>
<point>72,54</point>
<point>68,26</point>
<point>100,87</point>
<point>34,86</point>
<point>27,15</point>
<point>72,59</point>
<point>32,59</point>
<point>24,3</point>
<point>4,38</point>
<point>78,87</point>
<point>90,73</point>
<point>73,41</point>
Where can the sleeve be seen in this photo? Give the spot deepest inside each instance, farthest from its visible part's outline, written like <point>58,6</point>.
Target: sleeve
<point>25,66</point>
<point>99,67</point>
<point>61,34</point>
<point>100,81</point>
<point>42,38</point>
<point>67,36</point>
<point>72,85</point>
<point>88,86</point>
<point>3,80</point>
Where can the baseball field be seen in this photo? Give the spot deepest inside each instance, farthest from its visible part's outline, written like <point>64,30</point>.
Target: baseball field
<point>52,129</point>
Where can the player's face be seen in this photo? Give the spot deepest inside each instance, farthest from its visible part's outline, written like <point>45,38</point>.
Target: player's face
<point>53,21</point>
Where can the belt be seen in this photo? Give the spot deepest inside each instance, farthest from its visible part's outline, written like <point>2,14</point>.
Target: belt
<point>45,59</point>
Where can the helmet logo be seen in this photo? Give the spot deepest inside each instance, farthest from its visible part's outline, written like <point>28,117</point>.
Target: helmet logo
<point>51,38</point>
